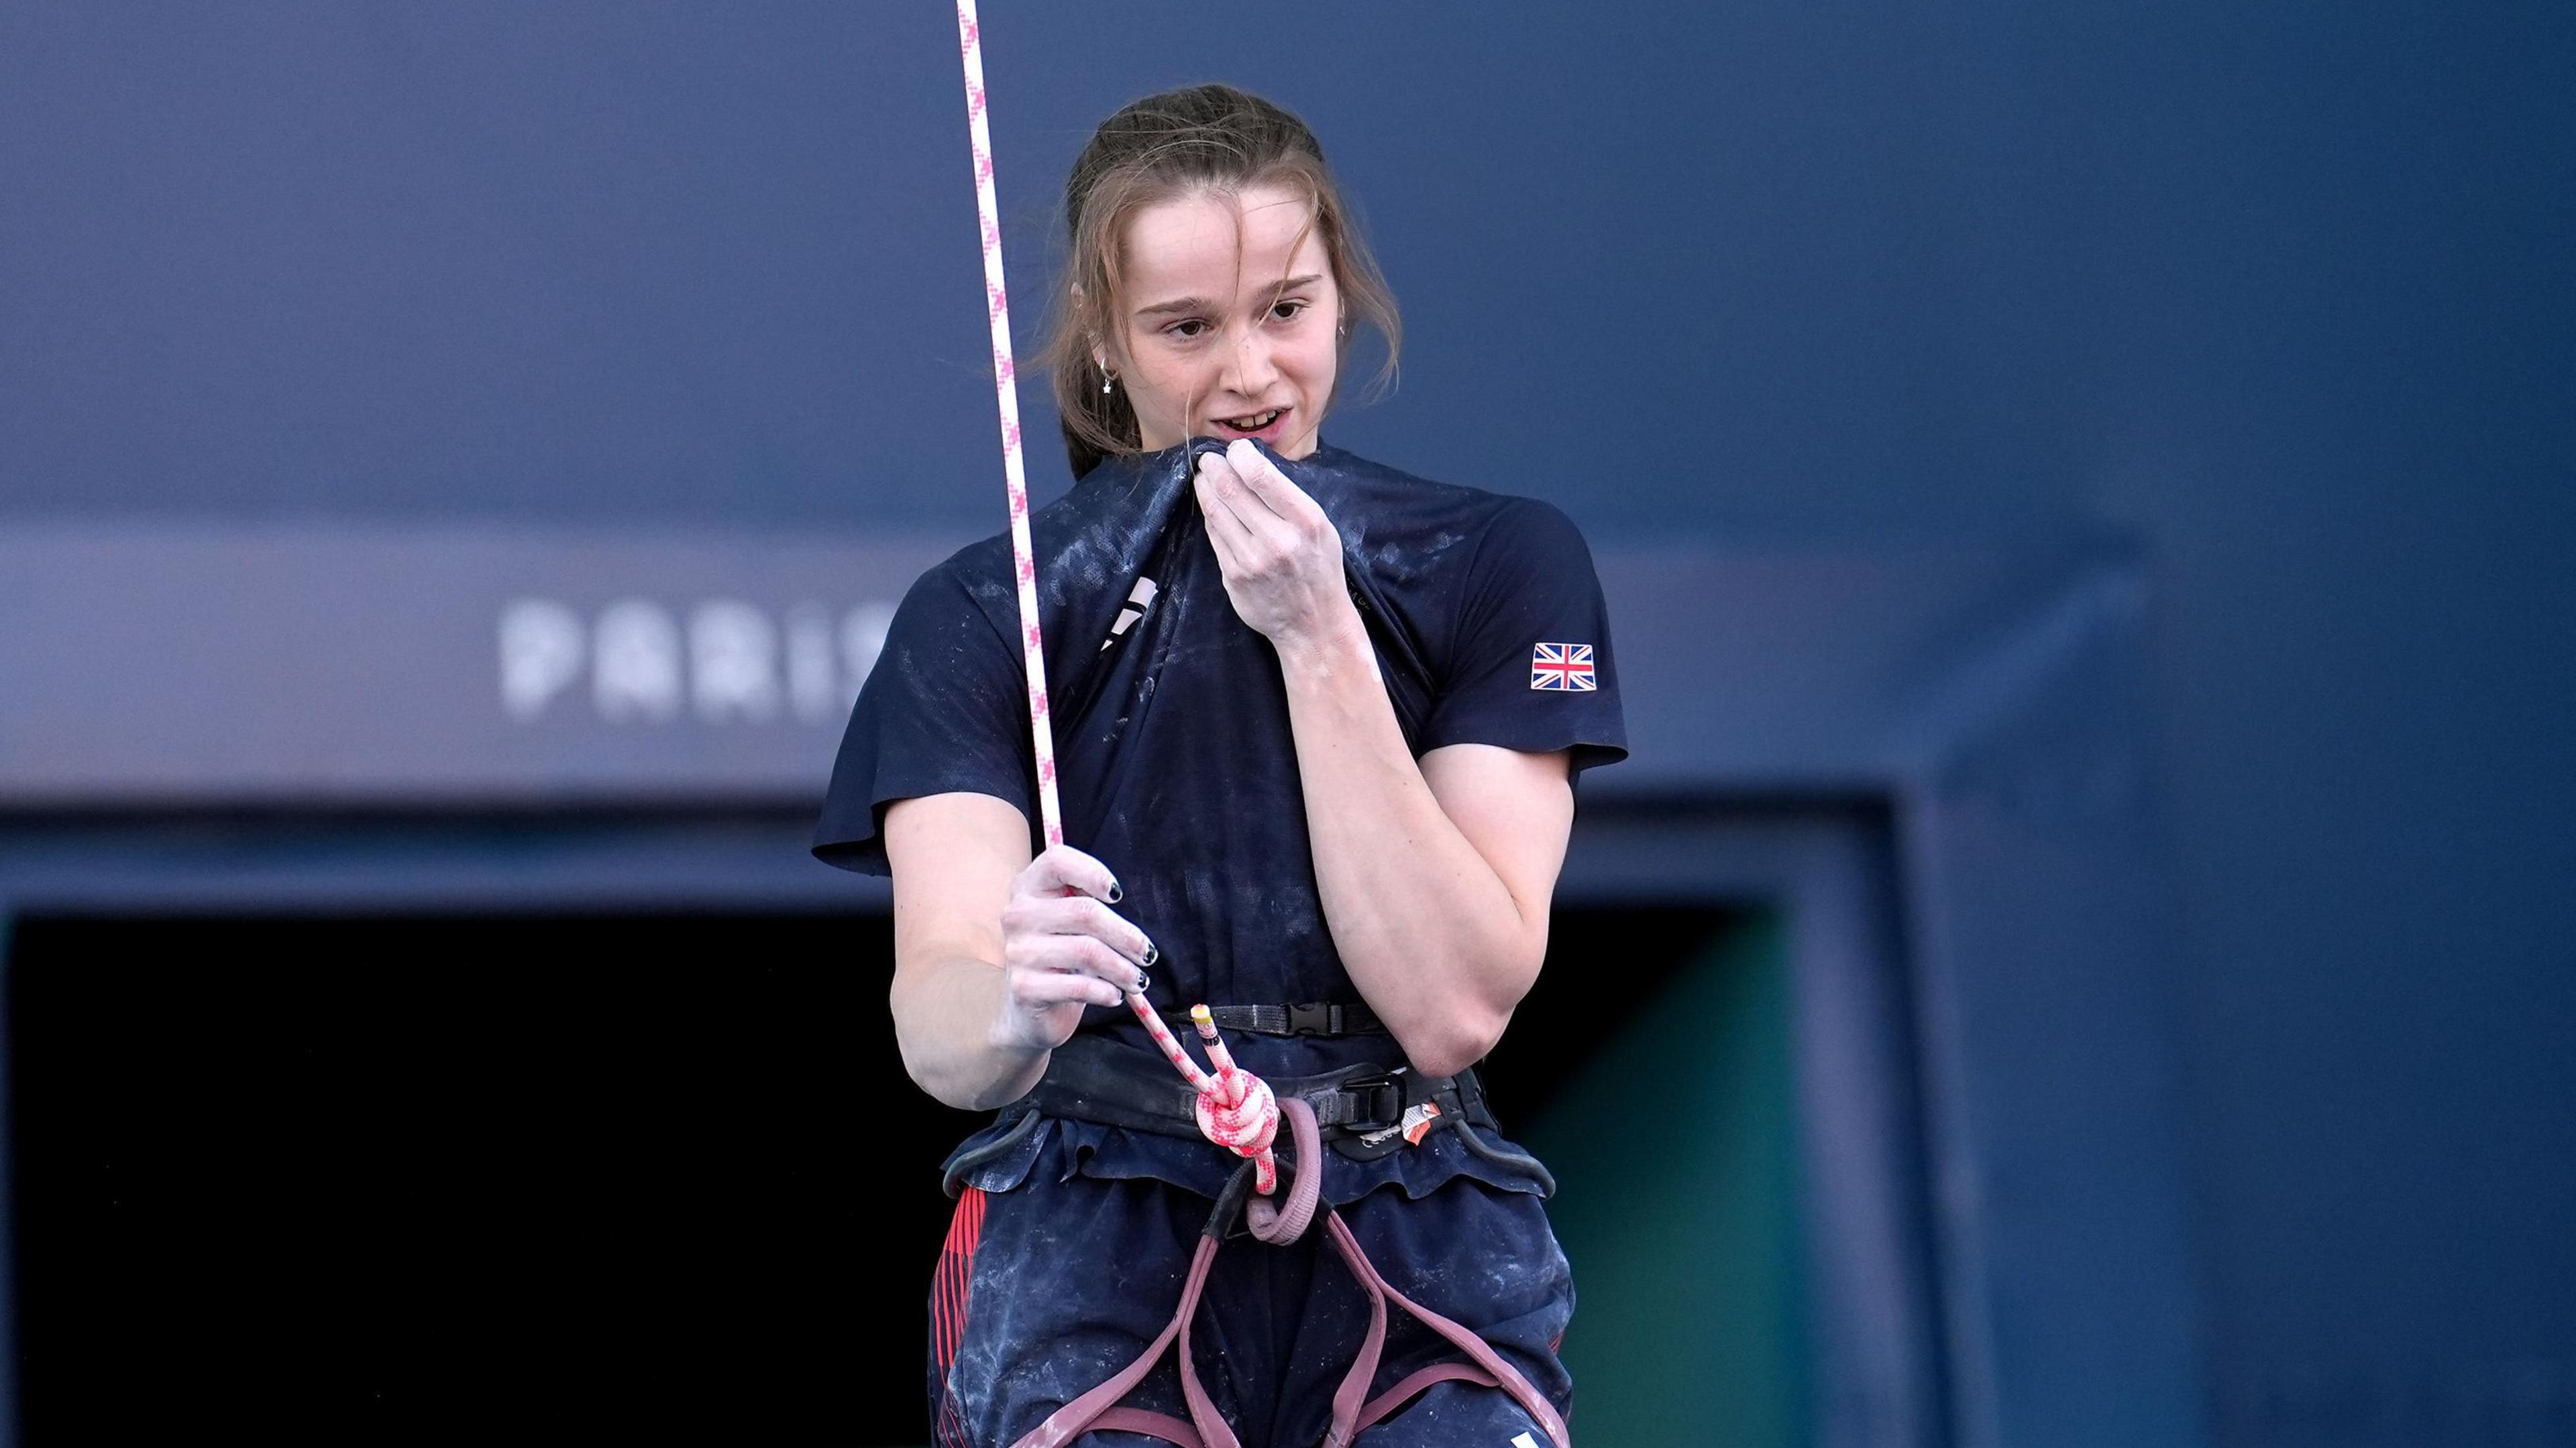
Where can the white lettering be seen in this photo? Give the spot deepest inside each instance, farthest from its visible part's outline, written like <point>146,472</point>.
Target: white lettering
<point>863,636</point>
<point>813,674</point>
<point>635,662</point>
<point>733,661</point>
<point>542,644</point>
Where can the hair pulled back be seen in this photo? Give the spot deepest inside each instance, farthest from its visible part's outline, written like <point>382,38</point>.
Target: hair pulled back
<point>1201,138</point>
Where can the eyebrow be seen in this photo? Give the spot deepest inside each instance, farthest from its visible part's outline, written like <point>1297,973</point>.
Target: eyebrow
<point>1198,304</point>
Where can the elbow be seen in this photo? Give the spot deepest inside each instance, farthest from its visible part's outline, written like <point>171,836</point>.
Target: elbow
<point>934,1064</point>
<point>1464,1029</point>
<point>968,1098</point>
<point>1450,1046</point>
<point>919,1062</point>
<point>923,1066</point>
<point>963,1085</point>
<point>946,1088</point>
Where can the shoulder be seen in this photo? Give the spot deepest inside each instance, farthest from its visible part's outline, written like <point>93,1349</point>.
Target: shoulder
<point>1526,531</point>
<point>1086,545</point>
<point>1406,527</point>
<point>972,591</point>
<point>1391,493</point>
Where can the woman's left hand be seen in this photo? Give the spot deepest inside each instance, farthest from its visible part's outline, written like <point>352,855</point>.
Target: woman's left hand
<point>1282,558</point>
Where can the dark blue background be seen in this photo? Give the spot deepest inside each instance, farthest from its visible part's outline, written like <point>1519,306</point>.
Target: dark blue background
<point>2286,289</point>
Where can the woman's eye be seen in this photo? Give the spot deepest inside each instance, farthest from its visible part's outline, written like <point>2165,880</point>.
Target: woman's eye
<point>1186,328</point>
<point>1287,311</point>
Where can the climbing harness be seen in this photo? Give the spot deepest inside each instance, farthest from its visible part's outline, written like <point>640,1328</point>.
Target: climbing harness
<point>1361,1110</point>
<point>1364,1111</point>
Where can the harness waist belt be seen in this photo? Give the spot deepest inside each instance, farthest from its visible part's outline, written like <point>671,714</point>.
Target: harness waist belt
<point>1093,1077</point>
<point>1314,1018</point>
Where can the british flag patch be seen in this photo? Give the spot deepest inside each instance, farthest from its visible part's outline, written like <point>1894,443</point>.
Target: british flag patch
<point>1562,666</point>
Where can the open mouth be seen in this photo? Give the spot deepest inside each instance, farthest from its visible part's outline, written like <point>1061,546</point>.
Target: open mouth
<point>1251,424</point>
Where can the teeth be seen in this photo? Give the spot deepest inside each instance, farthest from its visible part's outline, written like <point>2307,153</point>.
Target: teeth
<point>1254,423</point>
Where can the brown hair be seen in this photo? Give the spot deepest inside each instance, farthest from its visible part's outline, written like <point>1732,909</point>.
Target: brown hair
<point>1167,145</point>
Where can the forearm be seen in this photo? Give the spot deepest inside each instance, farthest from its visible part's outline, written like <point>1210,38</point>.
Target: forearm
<point>944,1009</point>
<point>1428,930</point>
<point>996,954</point>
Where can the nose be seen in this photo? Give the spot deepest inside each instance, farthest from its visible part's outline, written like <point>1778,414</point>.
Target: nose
<point>1249,369</point>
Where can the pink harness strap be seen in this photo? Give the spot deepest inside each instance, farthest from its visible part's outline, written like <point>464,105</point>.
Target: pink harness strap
<point>1505,1376</point>
<point>1353,1411</point>
<point>1413,1383</point>
<point>1082,1414</point>
<point>1152,1425</point>
<point>1207,1427</point>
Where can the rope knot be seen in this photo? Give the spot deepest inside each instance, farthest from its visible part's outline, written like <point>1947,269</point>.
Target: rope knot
<point>1237,1111</point>
<point>1235,1108</point>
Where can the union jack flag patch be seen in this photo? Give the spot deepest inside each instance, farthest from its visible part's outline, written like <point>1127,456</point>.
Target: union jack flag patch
<point>1562,666</point>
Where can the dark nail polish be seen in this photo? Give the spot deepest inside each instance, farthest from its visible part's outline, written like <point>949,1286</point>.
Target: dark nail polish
<point>1151,954</point>
<point>1144,982</point>
<point>1115,894</point>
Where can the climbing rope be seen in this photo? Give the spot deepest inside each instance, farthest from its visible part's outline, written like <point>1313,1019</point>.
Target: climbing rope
<point>1236,1109</point>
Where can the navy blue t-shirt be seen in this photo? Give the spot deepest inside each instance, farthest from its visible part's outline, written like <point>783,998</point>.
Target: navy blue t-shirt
<point>1175,761</point>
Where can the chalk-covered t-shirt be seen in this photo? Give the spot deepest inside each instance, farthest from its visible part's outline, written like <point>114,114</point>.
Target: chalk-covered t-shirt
<point>1174,757</point>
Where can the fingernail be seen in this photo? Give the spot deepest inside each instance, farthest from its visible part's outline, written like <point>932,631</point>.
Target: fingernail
<point>1151,954</point>
<point>1115,894</point>
<point>1144,982</point>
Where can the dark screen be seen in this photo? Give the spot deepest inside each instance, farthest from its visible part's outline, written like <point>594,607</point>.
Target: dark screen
<point>618,1176</point>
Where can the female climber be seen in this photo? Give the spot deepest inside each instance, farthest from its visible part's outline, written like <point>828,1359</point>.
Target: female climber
<point>1317,727</point>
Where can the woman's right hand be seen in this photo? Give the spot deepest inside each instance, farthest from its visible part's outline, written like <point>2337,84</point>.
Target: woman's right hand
<point>1063,948</point>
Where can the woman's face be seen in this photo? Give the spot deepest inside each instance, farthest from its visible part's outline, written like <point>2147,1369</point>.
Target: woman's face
<point>1231,320</point>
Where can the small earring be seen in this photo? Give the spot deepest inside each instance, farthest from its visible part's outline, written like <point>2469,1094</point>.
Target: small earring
<point>1105,380</point>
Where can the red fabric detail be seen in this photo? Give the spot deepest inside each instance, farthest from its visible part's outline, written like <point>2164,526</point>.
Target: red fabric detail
<point>950,1287</point>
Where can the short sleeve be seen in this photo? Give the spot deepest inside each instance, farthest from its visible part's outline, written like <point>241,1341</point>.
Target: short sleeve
<point>945,710</point>
<point>1530,664</point>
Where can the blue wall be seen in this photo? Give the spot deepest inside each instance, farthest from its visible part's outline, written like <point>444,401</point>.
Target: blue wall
<point>2287,290</point>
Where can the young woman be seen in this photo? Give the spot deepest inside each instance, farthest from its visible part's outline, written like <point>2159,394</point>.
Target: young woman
<point>1317,725</point>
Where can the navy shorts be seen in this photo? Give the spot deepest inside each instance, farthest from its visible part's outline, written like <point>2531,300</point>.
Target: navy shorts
<point>1049,1288</point>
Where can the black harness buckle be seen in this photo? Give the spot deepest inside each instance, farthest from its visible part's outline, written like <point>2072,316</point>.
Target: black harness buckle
<point>1311,1019</point>
<point>1375,1102</point>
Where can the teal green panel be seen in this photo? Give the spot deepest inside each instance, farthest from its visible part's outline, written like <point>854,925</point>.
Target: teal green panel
<point>1676,1149</point>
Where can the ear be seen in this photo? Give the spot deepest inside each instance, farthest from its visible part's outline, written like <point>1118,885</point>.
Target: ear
<point>1101,357</point>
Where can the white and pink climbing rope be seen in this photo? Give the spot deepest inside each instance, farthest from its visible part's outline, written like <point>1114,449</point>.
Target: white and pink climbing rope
<point>1236,1109</point>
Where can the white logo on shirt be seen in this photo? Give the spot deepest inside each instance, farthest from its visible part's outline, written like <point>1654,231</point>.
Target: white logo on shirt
<point>1137,602</point>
